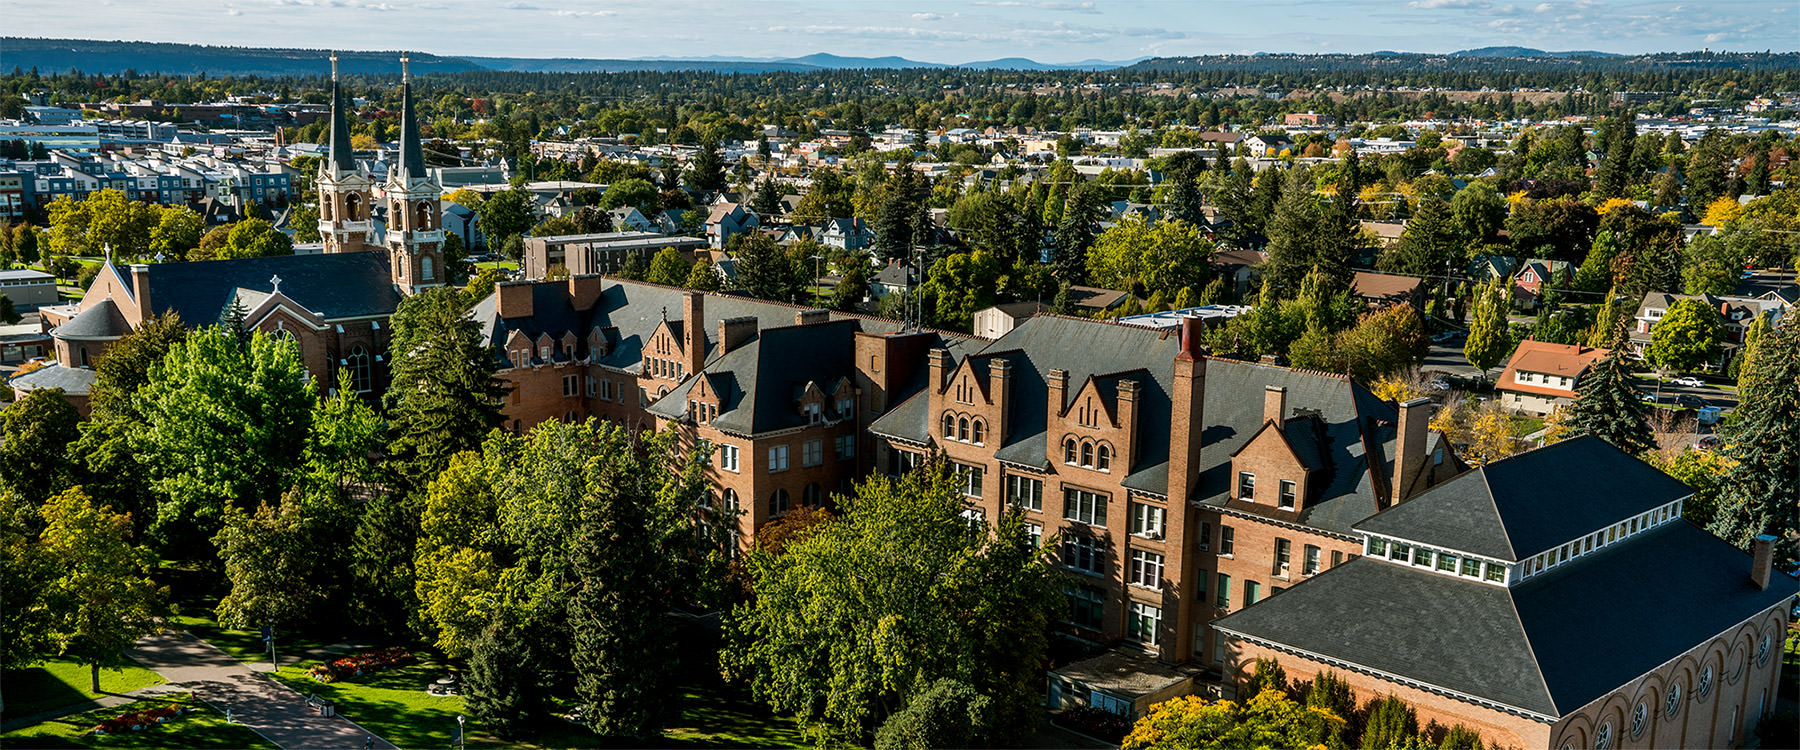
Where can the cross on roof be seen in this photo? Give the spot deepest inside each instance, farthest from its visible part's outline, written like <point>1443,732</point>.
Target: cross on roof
<point>334,65</point>
<point>276,282</point>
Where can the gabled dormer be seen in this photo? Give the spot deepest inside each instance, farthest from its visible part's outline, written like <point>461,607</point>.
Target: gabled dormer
<point>665,355</point>
<point>971,399</point>
<point>1274,473</point>
<point>1095,429</point>
<point>704,401</point>
<point>596,344</point>
<point>518,349</point>
<point>810,400</point>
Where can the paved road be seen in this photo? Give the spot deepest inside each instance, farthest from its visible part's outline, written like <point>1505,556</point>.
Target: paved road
<point>270,708</point>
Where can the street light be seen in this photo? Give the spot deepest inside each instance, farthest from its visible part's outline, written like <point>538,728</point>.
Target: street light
<point>816,274</point>
<point>459,730</point>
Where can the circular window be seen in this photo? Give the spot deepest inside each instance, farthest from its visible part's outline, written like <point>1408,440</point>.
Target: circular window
<point>1672,706</point>
<point>1603,737</point>
<point>1640,718</point>
<point>1704,686</point>
<point>1762,650</point>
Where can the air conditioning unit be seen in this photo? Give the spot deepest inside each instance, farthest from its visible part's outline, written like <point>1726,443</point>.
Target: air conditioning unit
<point>1204,546</point>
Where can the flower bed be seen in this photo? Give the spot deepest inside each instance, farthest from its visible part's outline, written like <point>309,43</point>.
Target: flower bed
<point>136,720</point>
<point>357,664</point>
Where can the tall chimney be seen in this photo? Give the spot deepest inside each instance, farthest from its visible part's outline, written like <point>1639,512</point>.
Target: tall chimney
<point>693,330</point>
<point>140,292</point>
<point>1000,392</point>
<point>1190,337</point>
<point>1409,445</point>
<point>733,332</point>
<point>1058,382</point>
<point>1762,560</point>
<point>940,369</point>
<point>515,299</point>
<point>1187,427</point>
<point>1274,404</point>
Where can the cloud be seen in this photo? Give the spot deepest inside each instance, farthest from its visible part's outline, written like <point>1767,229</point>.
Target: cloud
<point>1427,4</point>
<point>584,13</point>
<point>1039,5</point>
<point>927,16</point>
<point>233,12</point>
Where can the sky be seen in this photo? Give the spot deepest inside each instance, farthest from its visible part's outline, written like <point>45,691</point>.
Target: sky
<point>928,30</point>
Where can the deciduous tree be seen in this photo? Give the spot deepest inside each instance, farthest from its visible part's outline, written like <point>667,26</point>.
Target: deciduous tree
<point>1489,342</point>
<point>36,433</point>
<point>1686,337</point>
<point>106,600</point>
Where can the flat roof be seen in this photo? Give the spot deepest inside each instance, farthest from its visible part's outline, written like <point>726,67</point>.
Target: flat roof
<point>26,274</point>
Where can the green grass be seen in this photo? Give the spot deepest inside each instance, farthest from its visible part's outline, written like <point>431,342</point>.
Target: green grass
<point>1522,426</point>
<point>201,727</point>
<point>392,703</point>
<point>724,717</point>
<point>59,682</point>
<point>244,645</point>
<point>504,265</point>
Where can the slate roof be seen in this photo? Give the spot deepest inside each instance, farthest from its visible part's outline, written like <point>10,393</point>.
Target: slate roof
<point>334,285</point>
<point>75,381</point>
<point>1519,506</point>
<point>102,321</point>
<point>1548,645</point>
<point>761,380</point>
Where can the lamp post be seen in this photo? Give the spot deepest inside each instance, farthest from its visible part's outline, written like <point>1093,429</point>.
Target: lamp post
<point>816,258</point>
<point>459,730</point>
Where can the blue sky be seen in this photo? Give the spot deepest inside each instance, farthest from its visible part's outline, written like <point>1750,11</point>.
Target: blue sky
<point>930,30</point>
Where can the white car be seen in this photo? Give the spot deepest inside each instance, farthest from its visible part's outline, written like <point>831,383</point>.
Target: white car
<point>1689,381</point>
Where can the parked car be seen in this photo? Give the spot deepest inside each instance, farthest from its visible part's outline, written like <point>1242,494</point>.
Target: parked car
<point>1689,381</point>
<point>1690,402</point>
<point>1438,385</point>
<point>1447,337</point>
<point>1708,442</point>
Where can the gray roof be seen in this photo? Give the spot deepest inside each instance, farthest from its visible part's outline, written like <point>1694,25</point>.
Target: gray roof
<point>1547,646</point>
<point>74,381</point>
<point>1517,507</point>
<point>1125,674</point>
<point>26,274</point>
<point>334,285</point>
<point>102,322</point>
<point>761,382</point>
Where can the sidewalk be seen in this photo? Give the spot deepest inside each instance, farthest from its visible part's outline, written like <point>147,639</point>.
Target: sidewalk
<point>269,708</point>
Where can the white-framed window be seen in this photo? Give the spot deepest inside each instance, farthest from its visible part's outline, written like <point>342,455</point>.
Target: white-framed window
<point>1035,533</point>
<point>1084,506</point>
<point>1144,623</point>
<point>778,458</point>
<point>968,477</point>
<point>1025,493</point>
<point>812,452</point>
<point>1227,540</point>
<point>1146,569</point>
<point>975,520</point>
<point>846,407</point>
<point>728,458</point>
<point>844,446</point>
<point>1082,553</point>
<point>1289,490</point>
<point>1246,486</point>
<point>1311,561</point>
<point>592,385</point>
<point>1146,520</point>
<point>1284,556</point>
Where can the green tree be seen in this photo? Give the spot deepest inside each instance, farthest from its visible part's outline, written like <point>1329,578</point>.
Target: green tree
<point>213,245</point>
<point>1608,407</point>
<point>1703,471</point>
<point>706,170</point>
<point>929,599</point>
<point>949,713</point>
<point>35,436</point>
<point>443,396</point>
<point>961,284</point>
<point>1489,342</point>
<point>225,421</point>
<point>668,267</point>
<point>106,600</point>
<point>278,561</point>
<point>507,213</point>
<point>703,276</point>
<point>1479,211</point>
<point>256,238</point>
<point>1163,257</point>
<point>460,554</point>
<point>767,202</point>
<point>502,692</point>
<point>1268,719</point>
<point>1392,724</point>
<point>116,477</point>
<point>1559,229</point>
<point>346,432</point>
<point>1075,234</point>
<point>766,271</point>
<point>852,286</point>
<point>27,572</point>
<point>1385,343</point>
<point>1760,494</point>
<point>1753,338</point>
<point>1431,243</point>
<point>1686,337</point>
<point>632,191</point>
<point>178,231</point>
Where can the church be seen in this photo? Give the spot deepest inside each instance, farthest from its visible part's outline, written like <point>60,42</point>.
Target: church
<point>335,306</point>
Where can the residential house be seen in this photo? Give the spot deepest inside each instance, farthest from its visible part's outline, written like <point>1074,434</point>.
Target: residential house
<point>605,252</point>
<point>1736,314</point>
<point>896,278</point>
<point>1541,376</point>
<point>1384,289</point>
<point>846,234</point>
<point>727,220</point>
<point>1239,268</point>
<point>629,219</point>
<point>999,320</point>
<point>1534,275</point>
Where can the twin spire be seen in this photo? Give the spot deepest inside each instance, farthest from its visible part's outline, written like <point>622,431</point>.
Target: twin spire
<point>341,156</point>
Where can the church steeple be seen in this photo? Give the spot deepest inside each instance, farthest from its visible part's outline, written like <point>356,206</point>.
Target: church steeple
<point>412,155</point>
<point>344,187</point>
<point>415,233</point>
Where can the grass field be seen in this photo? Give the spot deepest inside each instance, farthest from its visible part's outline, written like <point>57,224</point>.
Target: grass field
<point>202,727</point>
<point>244,645</point>
<point>59,682</point>
<point>392,703</point>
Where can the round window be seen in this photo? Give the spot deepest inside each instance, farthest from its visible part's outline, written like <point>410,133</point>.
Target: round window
<point>1672,706</point>
<point>1603,737</point>
<point>1762,650</point>
<point>1704,686</point>
<point>1640,719</point>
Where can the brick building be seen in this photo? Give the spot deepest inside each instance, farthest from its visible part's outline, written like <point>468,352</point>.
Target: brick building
<point>1495,602</point>
<point>1180,485</point>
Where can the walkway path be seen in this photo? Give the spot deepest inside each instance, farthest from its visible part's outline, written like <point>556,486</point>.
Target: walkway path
<point>268,707</point>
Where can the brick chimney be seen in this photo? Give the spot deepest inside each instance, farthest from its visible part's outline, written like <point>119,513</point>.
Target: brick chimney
<point>1762,560</point>
<point>1000,391</point>
<point>693,330</point>
<point>1128,411</point>
<point>939,360</point>
<point>1187,425</point>
<point>140,291</point>
<point>733,332</point>
<point>585,290</point>
<point>811,316</point>
<point>1058,391</point>
<point>1409,445</point>
<point>1274,404</point>
<point>515,299</point>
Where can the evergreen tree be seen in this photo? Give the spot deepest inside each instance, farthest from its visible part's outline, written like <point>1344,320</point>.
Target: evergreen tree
<point>501,684</point>
<point>1430,244</point>
<point>1185,201</point>
<point>767,202</point>
<point>706,171</point>
<point>766,271</point>
<point>1614,174</point>
<point>1392,725</point>
<point>443,397</point>
<point>1608,407</point>
<point>1064,302</point>
<point>1761,491</point>
<point>1080,225</point>
<point>703,276</point>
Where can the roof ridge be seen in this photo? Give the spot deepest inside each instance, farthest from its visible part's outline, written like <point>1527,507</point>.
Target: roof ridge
<point>1489,493</point>
<point>1525,635</point>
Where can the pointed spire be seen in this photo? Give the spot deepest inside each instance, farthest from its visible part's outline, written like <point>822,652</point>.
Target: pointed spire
<point>412,155</point>
<point>340,156</point>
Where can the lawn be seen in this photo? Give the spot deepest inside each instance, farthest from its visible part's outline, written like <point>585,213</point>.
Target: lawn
<point>59,682</point>
<point>202,727</point>
<point>721,716</point>
<point>391,703</point>
<point>504,265</point>
<point>1522,426</point>
<point>246,646</point>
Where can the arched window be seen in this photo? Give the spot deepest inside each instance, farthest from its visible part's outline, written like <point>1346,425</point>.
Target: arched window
<point>1104,461</point>
<point>283,334</point>
<point>1087,454</point>
<point>422,216</point>
<point>949,426</point>
<point>1069,451</point>
<point>425,270</point>
<point>778,503</point>
<point>325,208</point>
<point>358,364</point>
<point>979,429</point>
<point>353,207</point>
<point>729,499</point>
<point>812,496</point>
<point>962,429</point>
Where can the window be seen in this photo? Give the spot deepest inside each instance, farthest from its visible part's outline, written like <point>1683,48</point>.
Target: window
<point>1337,557</point>
<point>1447,563</point>
<point>1288,491</point>
<point>1226,541</point>
<point>1035,533</point>
<point>1703,687</point>
<point>1284,555</point>
<point>729,500</point>
<point>1252,592</point>
<point>1144,623</point>
<point>1224,590</point>
<point>1246,486</point>
<point>1081,553</point>
<point>1069,451</point>
<point>949,427</point>
<point>812,452</point>
<point>969,477</point>
<point>779,503</point>
<point>1640,719</point>
<point>1471,568</point>
<point>1103,461</point>
<point>846,407</point>
<point>1377,547</point>
<point>979,436</point>
<point>975,520</point>
<point>1086,507</point>
<point>811,496</point>
<point>1422,557</point>
<point>1495,573</point>
<point>962,429</point>
<point>571,386</point>
<point>778,458</point>
<point>591,385</point>
<point>1087,454</point>
<point>1146,569</point>
<point>1672,705</point>
<point>1025,493</point>
<point>1603,737</point>
<point>1147,520</point>
<point>1087,607</point>
<point>425,270</point>
<point>358,363</point>
<point>845,447</point>
<point>728,458</point>
<point>1400,552</point>
<point>1311,564</point>
<point>1205,536</point>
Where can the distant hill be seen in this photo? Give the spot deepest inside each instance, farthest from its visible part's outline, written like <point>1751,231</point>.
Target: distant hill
<point>1526,52</point>
<point>580,65</point>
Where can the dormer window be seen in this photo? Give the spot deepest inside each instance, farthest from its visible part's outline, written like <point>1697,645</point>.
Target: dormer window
<point>846,407</point>
<point>1289,490</point>
<point>814,414</point>
<point>1246,486</point>
<point>544,353</point>
<point>1103,458</point>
